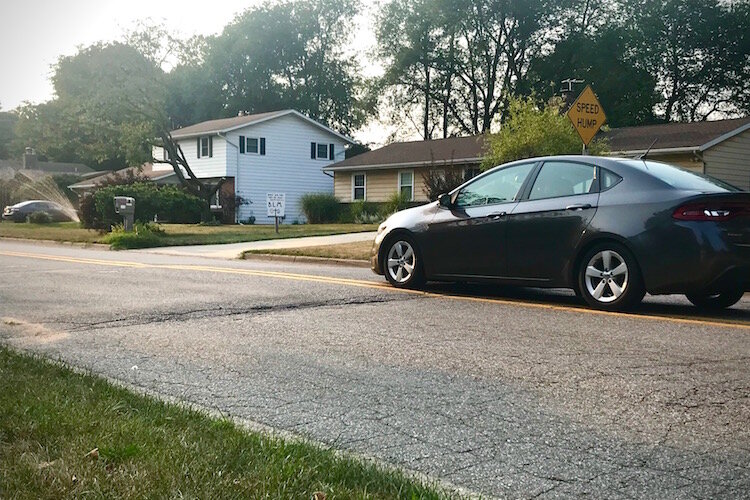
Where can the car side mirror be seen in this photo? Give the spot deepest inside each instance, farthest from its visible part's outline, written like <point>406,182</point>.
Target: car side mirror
<point>445,200</point>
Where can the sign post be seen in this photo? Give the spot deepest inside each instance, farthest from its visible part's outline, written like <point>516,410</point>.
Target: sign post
<point>587,116</point>
<point>275,203</point>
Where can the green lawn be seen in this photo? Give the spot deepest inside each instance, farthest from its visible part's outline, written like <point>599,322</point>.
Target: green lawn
<point>51,418</point>
<point>181,234</point>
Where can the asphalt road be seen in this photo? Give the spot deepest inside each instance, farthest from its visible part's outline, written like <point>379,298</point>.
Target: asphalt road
<point>511,394</point>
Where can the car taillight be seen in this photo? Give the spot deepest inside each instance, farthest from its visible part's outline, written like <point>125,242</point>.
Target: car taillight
<point>707,211</point>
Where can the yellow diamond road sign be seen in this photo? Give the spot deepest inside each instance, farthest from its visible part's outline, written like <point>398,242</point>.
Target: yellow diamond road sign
<point>587,115</point>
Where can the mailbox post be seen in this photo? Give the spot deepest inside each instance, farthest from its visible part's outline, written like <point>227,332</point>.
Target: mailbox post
<point>125,206</point>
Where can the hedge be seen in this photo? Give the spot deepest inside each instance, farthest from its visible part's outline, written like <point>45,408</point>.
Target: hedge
<point>168,203</point>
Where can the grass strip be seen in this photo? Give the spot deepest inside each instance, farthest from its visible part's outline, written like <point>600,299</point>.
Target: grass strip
<point>359,250</point>
<point>51,418</point>
<point>177,234</point>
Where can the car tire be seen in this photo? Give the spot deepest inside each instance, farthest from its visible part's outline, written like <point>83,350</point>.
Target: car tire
<point>717,301</point>
<point>609,278</point>
<point>402,262</point>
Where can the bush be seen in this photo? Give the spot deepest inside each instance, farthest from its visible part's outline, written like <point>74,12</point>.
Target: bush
<point>320,208</point>
<point>39,218</point>
<point>143,236</point>
<point>437,182</point>
<point>364,212</point>
<point>396,201</point>
<point>169,203</point>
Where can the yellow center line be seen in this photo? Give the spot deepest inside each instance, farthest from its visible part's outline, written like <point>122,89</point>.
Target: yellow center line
<point>379,286</point>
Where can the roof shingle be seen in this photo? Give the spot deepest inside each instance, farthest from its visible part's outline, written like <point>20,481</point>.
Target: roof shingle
<point>437,151</point>
<point>671,135</point>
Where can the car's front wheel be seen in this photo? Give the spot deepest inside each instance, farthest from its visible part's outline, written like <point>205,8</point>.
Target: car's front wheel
<point>403,265</point>
<point>719,300</point>
<point>609,278</point>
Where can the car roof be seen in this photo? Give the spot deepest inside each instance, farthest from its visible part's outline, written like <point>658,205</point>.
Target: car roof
<point>29,202</point>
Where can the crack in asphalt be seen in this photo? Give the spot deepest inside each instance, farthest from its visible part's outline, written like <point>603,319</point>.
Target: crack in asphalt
<point>220,311</point>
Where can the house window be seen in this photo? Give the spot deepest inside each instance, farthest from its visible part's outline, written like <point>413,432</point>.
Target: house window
<point>252,145</point>
<point>205,147</point>
<point>321,151</point>
<point>406,184</point>
<point>359,182</point>
<point>471,172</point>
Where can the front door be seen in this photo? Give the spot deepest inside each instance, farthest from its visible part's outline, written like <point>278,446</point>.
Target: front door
<point>545,228</point>
<point>468,239</point>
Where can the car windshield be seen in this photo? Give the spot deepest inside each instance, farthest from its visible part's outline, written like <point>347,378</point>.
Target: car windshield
<point>679,178</point>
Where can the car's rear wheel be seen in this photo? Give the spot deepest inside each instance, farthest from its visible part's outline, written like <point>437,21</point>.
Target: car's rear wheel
<point>609,278</point>
<point>719,300</point>
<point>403,263</point>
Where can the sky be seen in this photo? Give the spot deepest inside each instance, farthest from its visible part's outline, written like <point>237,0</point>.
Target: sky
<point>35,33</point>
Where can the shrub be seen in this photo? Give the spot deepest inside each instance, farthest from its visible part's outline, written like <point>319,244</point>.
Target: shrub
<point>320,208</point>
<point>169,203</point>
<point>437,182</point>
<point>39,218</point>
<point>396,201</point>
<point>143,236</point>
<point>364,212</point>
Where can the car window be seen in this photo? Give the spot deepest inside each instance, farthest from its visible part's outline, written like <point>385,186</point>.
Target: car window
<point>496,187</point>
<point>558,179</point>
<point>608,179</point>
<point>679,178</point>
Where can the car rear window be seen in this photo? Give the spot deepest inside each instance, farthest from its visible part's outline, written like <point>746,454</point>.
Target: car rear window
<point>679,178</point>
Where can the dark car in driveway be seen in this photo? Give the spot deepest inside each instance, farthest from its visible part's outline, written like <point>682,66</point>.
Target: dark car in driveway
<point>20,211</point>
<point>611,229</point>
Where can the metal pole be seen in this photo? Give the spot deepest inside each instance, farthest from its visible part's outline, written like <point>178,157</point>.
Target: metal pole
<point>276,219</point>
<point>584,150</point>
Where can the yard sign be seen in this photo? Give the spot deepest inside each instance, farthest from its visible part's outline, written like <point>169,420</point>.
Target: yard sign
<point>275,203</point>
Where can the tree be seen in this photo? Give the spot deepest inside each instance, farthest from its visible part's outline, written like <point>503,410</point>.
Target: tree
<point>7,134</point>
<point>626,92</point>
<point>291,55</point>
<point>460,61</point>
<point>698,51</point>
<point>531,131</point>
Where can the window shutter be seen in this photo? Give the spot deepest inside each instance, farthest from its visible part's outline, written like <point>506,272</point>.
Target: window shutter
<point>312,150</point>
<point>242,144</point>
<point>330,152</point>
<point>263,146</point>
<point>210,146</point>
<point>199,147</point>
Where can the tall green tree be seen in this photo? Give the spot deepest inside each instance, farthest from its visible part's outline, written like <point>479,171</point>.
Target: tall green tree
<point>7,134</point>
<point>291,55</point>
<point>627,93</point>
<point>698,51</point>
<point>532,130</point>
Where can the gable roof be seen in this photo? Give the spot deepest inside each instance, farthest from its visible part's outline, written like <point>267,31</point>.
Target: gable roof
<point>146,170</point>
<point>675,136</point>
<point>457,150</point>
<point>223,125</point>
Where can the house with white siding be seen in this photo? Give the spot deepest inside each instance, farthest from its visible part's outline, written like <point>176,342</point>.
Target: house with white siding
<point>275,152</point>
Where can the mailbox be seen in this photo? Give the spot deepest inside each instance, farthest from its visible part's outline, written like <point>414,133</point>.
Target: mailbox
<point>125,206</point>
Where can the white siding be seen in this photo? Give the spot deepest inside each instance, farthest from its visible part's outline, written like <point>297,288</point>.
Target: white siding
<point>285,168</point>
<point>157,152</point>
<point>206,168</point>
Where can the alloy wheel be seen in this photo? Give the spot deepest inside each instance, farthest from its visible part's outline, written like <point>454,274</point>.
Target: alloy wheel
<point>606,276</point>
<point>401,261</point>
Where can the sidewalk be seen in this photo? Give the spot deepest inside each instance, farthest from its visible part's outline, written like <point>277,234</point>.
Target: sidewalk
<point>235,250</point>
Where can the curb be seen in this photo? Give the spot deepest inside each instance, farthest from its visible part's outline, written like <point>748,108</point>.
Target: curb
<point>304,259</point>
<point>79,244</point>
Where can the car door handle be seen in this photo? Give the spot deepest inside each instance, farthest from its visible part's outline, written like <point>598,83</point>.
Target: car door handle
<point>497,215</point>
<point>582,206</point>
